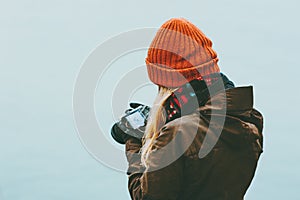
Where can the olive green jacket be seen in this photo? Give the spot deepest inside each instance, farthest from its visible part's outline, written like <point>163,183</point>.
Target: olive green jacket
<point>211,154</point>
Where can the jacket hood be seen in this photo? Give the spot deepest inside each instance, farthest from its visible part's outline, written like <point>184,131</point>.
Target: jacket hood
<point>242,124</point>
<point>227,119</point>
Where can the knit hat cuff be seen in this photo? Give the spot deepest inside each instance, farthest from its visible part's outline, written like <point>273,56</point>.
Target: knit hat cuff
<point>170,77</point>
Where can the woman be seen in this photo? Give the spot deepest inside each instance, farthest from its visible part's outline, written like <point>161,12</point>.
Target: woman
<point>203,137</point>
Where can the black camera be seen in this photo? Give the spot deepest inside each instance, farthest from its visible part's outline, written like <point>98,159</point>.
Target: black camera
<point>132,124</point>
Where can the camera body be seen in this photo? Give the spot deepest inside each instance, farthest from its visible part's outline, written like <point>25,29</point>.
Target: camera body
<point>137,117</point>
<point>132,124</point>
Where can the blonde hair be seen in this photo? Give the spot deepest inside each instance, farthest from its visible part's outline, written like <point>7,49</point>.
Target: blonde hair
<point>156,121</point>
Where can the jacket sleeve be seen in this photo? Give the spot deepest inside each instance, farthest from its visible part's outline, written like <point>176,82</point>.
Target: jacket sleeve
<point>158,181</point>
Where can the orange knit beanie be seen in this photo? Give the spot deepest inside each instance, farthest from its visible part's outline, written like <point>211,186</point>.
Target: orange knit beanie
<point>179,53</point>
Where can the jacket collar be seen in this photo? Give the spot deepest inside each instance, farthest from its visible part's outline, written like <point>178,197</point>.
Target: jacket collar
<point>233,99</point>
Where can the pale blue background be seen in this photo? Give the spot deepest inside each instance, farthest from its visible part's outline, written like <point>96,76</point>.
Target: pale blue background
<point>44,43</point>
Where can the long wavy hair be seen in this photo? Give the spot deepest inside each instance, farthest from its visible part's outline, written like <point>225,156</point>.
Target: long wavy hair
<point>156,121</point>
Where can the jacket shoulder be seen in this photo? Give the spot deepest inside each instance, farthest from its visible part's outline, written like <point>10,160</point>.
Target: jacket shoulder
<point>182,136</point>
